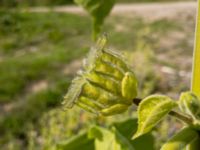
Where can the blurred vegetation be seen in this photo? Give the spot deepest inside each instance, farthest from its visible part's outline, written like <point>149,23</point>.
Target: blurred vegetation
<point>22,3</point>
<point>34,51</point>
<point>38,52</point>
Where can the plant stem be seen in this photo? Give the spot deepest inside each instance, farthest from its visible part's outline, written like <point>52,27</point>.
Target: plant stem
<point>181,117</point>
<point>175,114</point>
<point>196,58</point>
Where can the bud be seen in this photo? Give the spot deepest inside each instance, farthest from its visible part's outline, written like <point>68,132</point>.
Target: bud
<point>190,104</point>
<point>106,85</point>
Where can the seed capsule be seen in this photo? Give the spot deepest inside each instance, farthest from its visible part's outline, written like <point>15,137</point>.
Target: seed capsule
<point>115,109</point>
<point>104,81</point>
<point>129,86</point>
<point>100,95</point>
<point>106,85</point>
<point>108,69</point>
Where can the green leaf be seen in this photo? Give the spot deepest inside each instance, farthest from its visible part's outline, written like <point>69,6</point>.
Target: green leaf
<point>196,63</point>
<point>98,10</point>
<point>181,140</point>
<point>189,103</point>
<point>194,145</point>
<point>128,127</point>
<point>151,110</point>
<point>109,139</point>
<point>81,141</point>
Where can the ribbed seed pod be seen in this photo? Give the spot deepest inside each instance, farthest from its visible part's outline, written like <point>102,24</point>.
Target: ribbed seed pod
<point>106,85</point>
<point>100,95</point>
<point>104,81</point>
<point>115,59</point>
<point>115,109</point>
<point>129,86</point>
<point>108,69</point>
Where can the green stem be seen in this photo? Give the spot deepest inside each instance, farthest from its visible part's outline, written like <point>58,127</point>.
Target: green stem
<point>96,28</point>
<point>181,117</point>
<point>196,62</point>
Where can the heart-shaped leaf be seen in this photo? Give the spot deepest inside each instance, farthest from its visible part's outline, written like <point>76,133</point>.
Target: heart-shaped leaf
<point>151,110</point>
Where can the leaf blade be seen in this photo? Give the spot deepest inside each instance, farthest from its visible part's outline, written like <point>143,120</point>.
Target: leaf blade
<point>109,139</point>
<point>181,139</point>
<point>151,110</point>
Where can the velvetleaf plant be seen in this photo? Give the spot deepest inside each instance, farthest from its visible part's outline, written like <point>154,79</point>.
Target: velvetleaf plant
<point>107,86</point>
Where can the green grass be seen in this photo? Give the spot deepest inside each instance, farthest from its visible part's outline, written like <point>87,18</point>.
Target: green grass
<point>32,3</point>
<point>34,47</point>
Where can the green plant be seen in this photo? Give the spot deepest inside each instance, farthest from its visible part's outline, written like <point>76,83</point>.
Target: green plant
<point>107,86</point>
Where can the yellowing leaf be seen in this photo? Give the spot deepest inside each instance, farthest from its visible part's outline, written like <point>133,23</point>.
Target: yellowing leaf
<point>151,110</point>
<point>182,140</point>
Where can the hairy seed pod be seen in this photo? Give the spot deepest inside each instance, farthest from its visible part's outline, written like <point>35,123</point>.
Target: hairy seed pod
<point>108,69</point>
<point>106,85</point>
<point>99,94</point>
<point>189,103</point>
<point>91,103</point>
<point>104,81</point>
<point>115,59</point>
<point>129,86</point>
<point>74,91</point>
<point>115,109</point>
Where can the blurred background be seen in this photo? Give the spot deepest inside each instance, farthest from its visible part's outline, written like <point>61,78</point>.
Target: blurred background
<point>43,42</point>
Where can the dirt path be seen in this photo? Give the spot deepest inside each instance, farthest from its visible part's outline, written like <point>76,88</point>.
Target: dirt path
<point>147,10</point>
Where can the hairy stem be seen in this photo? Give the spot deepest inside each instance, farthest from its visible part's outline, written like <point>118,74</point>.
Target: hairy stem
<point>175,114</point>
